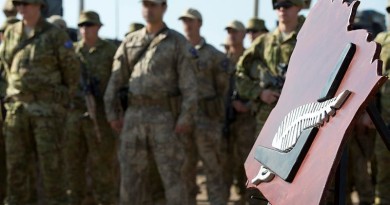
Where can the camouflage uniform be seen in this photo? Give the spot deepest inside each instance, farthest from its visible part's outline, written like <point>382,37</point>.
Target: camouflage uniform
<point>381,152</point>
<point>206,139</point>
<point>42,77</point>
<point>242,135</point>
<point>3,87</point>
<point>267,53</point>
<point>163,75</point>
<point>81,141</point>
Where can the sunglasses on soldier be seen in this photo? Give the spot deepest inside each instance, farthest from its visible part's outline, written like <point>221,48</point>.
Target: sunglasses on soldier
<point>86,24</point>
<point>283,4</point>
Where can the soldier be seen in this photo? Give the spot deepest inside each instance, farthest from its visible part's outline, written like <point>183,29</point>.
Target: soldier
<point>267,59</point>
<point>158,64</point>
<point>205,141</point>
<point>88,135</point>
<point>236,35</point>
<point>43,73</point>
<point>3,87</point>
<point>239,118</point>
<point>256,27</point>
<point>382,154</point>
<point>260,71</point>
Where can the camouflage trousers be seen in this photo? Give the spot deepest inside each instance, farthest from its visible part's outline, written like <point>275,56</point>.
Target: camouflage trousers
<point>262,116</point>
<point>361,153</point>
<point>149,131</point>
<point>82,152</point>
<point>33,137</point>
<point>205,143</point>
<point>241,139</point>
<point>383,176</point>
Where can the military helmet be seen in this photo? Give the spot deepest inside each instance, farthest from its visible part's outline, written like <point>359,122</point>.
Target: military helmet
<point>236,25</point>
<point>257,25</point>
<point>192,14</point>
<point>42,2</point>
<point>90,17</point>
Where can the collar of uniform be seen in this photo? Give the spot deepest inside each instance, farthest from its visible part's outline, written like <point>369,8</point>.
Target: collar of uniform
<point>41,25</point>
<point>98,44</point>
<point>200,44</point>
<point>157,39</point>
<point>277,33</point>
<point>19,27</point>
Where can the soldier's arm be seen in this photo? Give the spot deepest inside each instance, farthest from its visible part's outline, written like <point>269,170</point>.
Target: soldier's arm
<point>187,83</point>
<point>109,57</point>
<point>68,62</point>
<point>246,86</point>
<point>119,77</point>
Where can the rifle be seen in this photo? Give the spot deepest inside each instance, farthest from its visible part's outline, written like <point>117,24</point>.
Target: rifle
<point>230,112</point>
<point>90,90</point>
<point>274,81</point>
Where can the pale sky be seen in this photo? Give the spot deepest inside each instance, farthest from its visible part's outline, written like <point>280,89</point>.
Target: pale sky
<point>116,15</point>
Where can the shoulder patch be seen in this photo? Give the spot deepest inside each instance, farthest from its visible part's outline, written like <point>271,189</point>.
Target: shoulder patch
<point>68,44</point>
<point>194,53</point>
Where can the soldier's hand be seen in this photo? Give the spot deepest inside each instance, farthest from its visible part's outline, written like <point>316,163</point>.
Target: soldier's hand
<point>182,129</point>
<point>240,106</point>
<point>268,96</point>
<point>117,125</point>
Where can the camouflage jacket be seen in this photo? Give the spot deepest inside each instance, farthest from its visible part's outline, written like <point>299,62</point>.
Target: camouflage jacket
<point>96,63</point>
<point>384,39</point>
<point>266,53</point>
<point>213,80</point>
<point>166,68</point>
<point>47,65</point>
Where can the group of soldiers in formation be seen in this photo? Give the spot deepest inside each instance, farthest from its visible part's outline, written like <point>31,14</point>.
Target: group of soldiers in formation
<point>135,124</point>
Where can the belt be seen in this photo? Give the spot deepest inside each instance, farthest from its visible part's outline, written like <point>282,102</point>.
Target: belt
<point>143,101</point>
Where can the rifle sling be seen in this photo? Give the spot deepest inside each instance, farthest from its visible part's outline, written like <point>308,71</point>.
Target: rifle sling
<point>24,43</point>
<point>145,48</point>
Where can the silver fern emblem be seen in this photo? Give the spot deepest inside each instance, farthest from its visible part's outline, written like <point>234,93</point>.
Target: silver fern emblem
<point>304,117</point>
